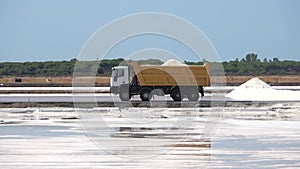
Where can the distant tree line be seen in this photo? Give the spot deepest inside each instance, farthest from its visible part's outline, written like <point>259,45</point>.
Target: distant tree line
<point>49,68</point>
<point>250,65</point>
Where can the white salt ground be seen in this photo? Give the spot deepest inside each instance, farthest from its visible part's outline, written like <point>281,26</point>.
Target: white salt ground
<point>257,90</point>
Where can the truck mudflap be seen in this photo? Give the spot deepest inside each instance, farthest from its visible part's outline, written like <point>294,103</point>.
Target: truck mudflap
<point>201,91</point>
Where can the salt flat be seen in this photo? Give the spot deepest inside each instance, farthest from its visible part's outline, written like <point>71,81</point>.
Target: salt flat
<point>245,137</point>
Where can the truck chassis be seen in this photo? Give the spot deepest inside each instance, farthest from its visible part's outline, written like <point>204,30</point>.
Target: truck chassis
<point>177,93</point>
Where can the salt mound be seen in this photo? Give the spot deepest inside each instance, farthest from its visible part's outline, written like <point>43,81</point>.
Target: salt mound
<point>173,62</point>
<point>257,90</point>
<point>255,83</point>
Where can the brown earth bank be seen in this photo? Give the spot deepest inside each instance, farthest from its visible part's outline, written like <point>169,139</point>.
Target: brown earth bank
<point>271,80</point>
<point>104,81</point>
<point>54,81</point>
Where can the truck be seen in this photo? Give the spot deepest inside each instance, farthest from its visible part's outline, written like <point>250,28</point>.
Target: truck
<point>178,81</point>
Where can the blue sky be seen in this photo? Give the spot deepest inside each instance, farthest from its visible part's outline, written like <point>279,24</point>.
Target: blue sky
<point>39,30</point>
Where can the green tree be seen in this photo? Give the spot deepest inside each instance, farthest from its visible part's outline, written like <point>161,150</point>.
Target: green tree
<point>251,57</point>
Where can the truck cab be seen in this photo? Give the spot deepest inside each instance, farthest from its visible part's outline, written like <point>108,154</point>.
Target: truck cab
<point>119,77</point>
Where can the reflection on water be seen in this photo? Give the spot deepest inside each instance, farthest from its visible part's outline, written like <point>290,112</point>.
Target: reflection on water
<point>143,133</point>
<point>146,141</point>
<point>163,142</point>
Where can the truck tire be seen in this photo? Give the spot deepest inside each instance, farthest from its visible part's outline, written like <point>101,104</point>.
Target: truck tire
<point>145,94</point>
<point>124,94</point>
<point>176,95</point>
<point>193,96</point>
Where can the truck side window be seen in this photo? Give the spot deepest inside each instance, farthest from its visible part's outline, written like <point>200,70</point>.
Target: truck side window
<point>120,73</point>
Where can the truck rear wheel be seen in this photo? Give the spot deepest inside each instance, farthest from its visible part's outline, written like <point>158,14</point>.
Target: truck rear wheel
<point>145,94</point>
<point>176,95</point>
<point>193,96</point>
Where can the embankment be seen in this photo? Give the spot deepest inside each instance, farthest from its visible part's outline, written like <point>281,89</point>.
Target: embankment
<point>104,81</point>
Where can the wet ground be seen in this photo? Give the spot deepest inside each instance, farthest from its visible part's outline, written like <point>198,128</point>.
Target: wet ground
<point>231,137</point>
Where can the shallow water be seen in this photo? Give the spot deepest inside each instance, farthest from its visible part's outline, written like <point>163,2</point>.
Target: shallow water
<point>245,138</point>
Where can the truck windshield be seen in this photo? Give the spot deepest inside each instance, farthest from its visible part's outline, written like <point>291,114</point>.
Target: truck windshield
<point>113,72</point>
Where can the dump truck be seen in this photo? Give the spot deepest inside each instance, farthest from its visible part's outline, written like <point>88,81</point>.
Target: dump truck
<point>178,81</point>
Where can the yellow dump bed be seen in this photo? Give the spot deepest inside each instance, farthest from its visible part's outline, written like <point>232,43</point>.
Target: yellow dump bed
<point>172,75</point>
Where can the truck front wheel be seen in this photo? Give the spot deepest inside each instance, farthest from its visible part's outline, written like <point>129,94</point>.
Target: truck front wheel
<point>124,94</point>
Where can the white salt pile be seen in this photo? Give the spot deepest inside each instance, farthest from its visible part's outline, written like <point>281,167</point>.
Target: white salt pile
<point>257,90</point>
<point>173,62</point>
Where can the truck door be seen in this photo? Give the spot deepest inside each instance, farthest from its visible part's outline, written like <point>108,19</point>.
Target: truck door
<point>120,76</point>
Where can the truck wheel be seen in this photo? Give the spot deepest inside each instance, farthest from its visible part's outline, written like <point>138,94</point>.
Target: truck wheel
<point>176,95</point>
<point>145,94</point>
<point>124,95</point>
<point>193,96</point>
